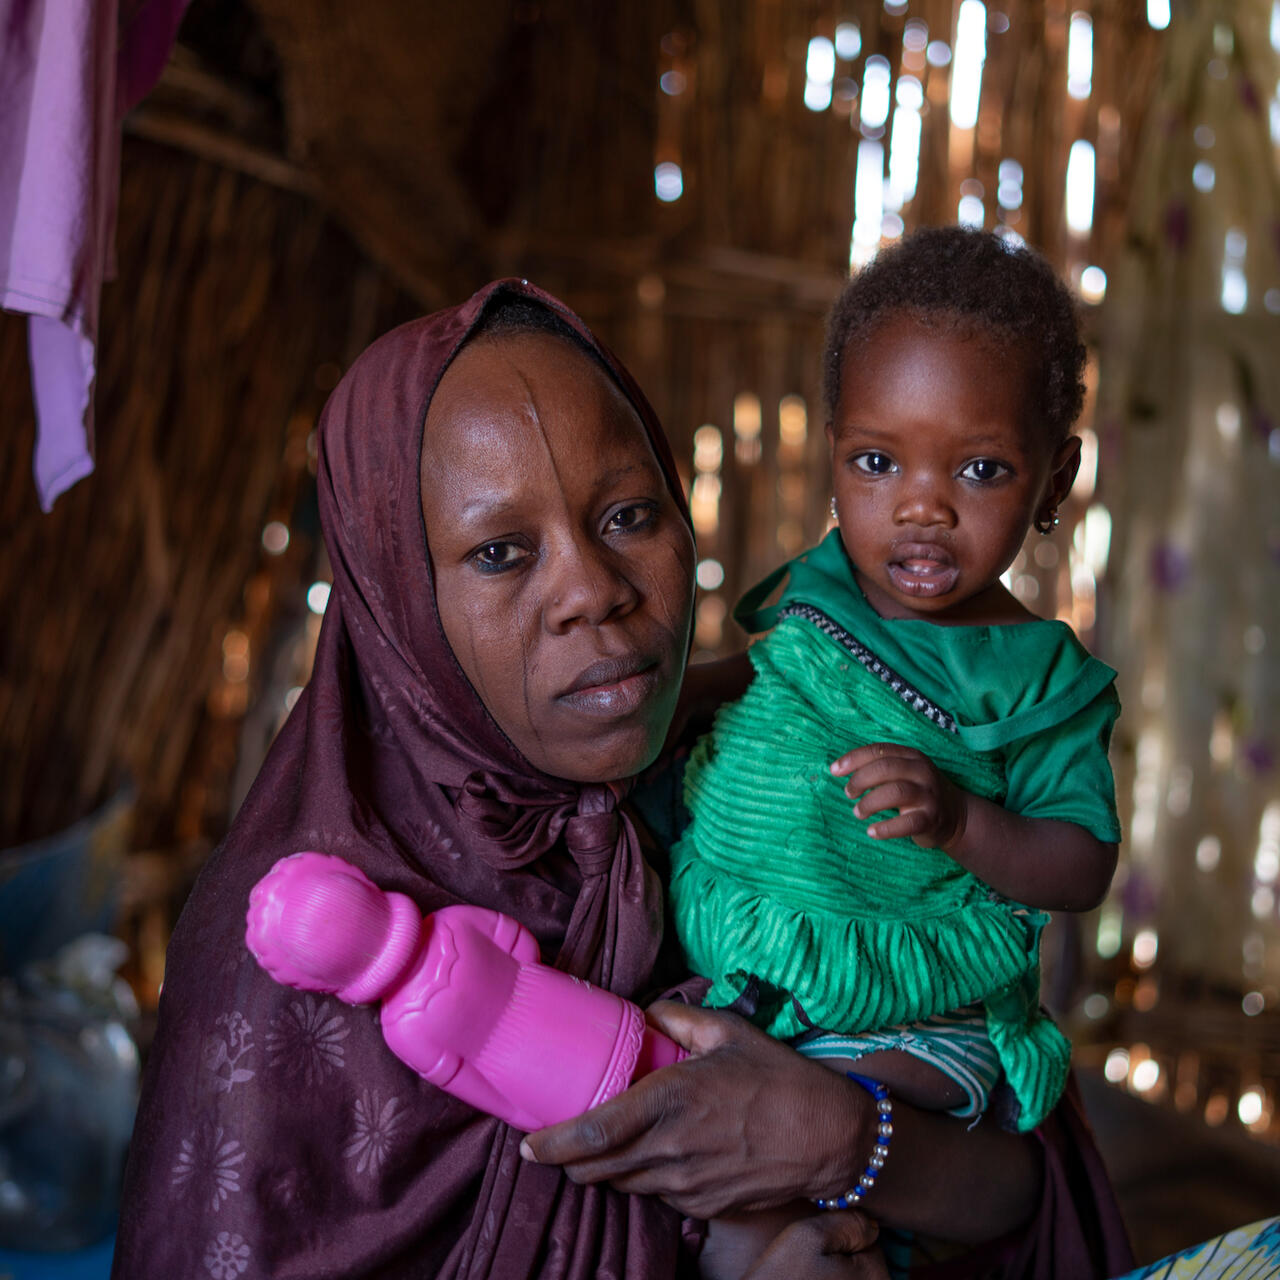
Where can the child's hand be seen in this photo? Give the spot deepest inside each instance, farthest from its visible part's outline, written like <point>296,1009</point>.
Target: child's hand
<point>823,1245</point>
<point>932,810</point>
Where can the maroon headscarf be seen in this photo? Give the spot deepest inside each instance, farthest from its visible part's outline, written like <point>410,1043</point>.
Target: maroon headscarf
<point>277,1135</point>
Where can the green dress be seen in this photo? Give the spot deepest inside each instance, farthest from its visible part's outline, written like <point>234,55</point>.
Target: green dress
<point>775,883</point>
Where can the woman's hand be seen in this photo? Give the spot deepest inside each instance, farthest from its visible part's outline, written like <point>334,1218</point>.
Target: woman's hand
<point>931,809</point>
<point>839,1245</point>
<point>744,1123</point>
<point>747,1123</point>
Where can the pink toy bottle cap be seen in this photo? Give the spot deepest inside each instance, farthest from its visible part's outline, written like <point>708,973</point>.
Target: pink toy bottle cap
<point>317,923</point>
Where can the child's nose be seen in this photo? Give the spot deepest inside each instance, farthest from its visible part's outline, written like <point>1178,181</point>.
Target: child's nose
<point>926,503</point>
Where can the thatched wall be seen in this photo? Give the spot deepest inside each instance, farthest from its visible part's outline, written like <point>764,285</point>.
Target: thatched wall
<point>143,616</point>
<point>235,305</point>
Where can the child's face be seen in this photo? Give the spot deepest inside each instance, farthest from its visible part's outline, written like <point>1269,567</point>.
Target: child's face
<point>938,471</point>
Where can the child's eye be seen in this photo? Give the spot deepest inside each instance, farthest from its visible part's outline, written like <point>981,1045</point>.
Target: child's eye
<point>984,470</point>
<point>874,464</point>
<point>494,557</point>
<point>629,518</point>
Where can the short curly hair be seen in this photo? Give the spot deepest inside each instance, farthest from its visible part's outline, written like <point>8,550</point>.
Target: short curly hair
<point>976,281</point>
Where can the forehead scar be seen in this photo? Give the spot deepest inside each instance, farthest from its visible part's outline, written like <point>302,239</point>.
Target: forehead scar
<point>486,507</point>
<point>608,477</point>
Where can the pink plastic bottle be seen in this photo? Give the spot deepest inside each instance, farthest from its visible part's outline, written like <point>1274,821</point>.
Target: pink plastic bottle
<point>465,1000</point>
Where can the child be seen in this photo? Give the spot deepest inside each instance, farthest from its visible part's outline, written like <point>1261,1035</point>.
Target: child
<point>905,936</point>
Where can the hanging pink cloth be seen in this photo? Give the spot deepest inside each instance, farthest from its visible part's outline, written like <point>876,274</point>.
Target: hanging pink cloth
<point>69,70</point>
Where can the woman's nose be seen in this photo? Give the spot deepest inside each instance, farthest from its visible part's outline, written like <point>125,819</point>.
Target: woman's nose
<point>925,502</point>
<point>587,586</point>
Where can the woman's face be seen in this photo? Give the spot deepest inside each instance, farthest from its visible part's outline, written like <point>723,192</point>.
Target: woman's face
<point>563,569</point>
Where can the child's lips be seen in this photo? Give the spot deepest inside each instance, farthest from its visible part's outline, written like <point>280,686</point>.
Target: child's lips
<point>924,569</point>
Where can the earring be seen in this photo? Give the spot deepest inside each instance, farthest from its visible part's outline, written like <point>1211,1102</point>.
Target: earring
<point>1046,524</point>
<point>835,511</point>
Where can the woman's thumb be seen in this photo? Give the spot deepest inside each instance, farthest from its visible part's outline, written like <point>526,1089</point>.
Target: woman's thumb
<point>697,1030</point>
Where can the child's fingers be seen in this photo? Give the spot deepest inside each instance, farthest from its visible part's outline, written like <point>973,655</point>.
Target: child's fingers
<point>873,751</point>
<point>880,773</point>
<point>905,826</point>
<point>824,1244</point>
<point>897,794</point>
<point>914,770</point>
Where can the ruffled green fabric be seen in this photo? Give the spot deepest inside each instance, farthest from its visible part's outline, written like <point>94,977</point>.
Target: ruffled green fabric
<point>775,880</point>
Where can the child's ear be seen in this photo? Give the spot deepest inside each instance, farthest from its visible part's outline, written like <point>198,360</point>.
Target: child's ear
<point>1066,462</point>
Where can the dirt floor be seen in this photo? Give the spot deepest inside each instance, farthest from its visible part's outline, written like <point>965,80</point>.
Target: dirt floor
<point>1178,1180</point>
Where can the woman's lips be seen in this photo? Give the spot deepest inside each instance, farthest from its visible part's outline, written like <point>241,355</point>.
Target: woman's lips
<point>613,686</point>
<point>923,569</point>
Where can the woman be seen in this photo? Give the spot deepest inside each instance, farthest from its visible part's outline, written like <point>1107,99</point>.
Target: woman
<point>504,642</point>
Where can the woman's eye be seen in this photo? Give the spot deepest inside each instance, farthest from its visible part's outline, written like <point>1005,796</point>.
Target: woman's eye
<point>874,464</point>
<point>494,557</point>
<point>984,470</point>
<point>632,517</point>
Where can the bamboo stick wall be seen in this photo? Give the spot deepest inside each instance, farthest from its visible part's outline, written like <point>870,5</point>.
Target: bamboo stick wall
<point>230,296</point>
<point>239,303</point>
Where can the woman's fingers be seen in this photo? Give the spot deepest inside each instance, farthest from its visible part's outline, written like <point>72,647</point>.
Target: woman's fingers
<point>693,1028</point>
<point>593,1143</point>
<point>589,1139</point>
<point>744,1123</point>
<point>663,1136</point>
<point>839,1245</point>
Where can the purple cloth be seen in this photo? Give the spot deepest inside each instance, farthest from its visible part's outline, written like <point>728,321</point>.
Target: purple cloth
<point>1076,1230</point>
<point>69,69</point>
<point>277,1135</point>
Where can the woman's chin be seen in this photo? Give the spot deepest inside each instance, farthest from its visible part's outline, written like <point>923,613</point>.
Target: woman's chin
<point>609,762</point>
<point>603,734</point>
<point>604,753</point>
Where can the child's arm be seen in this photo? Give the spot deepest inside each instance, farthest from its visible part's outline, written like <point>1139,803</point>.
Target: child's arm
<point>1040,862</point>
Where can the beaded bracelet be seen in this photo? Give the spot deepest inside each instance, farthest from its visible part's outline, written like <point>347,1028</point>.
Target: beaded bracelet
<point>879,1153</point>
